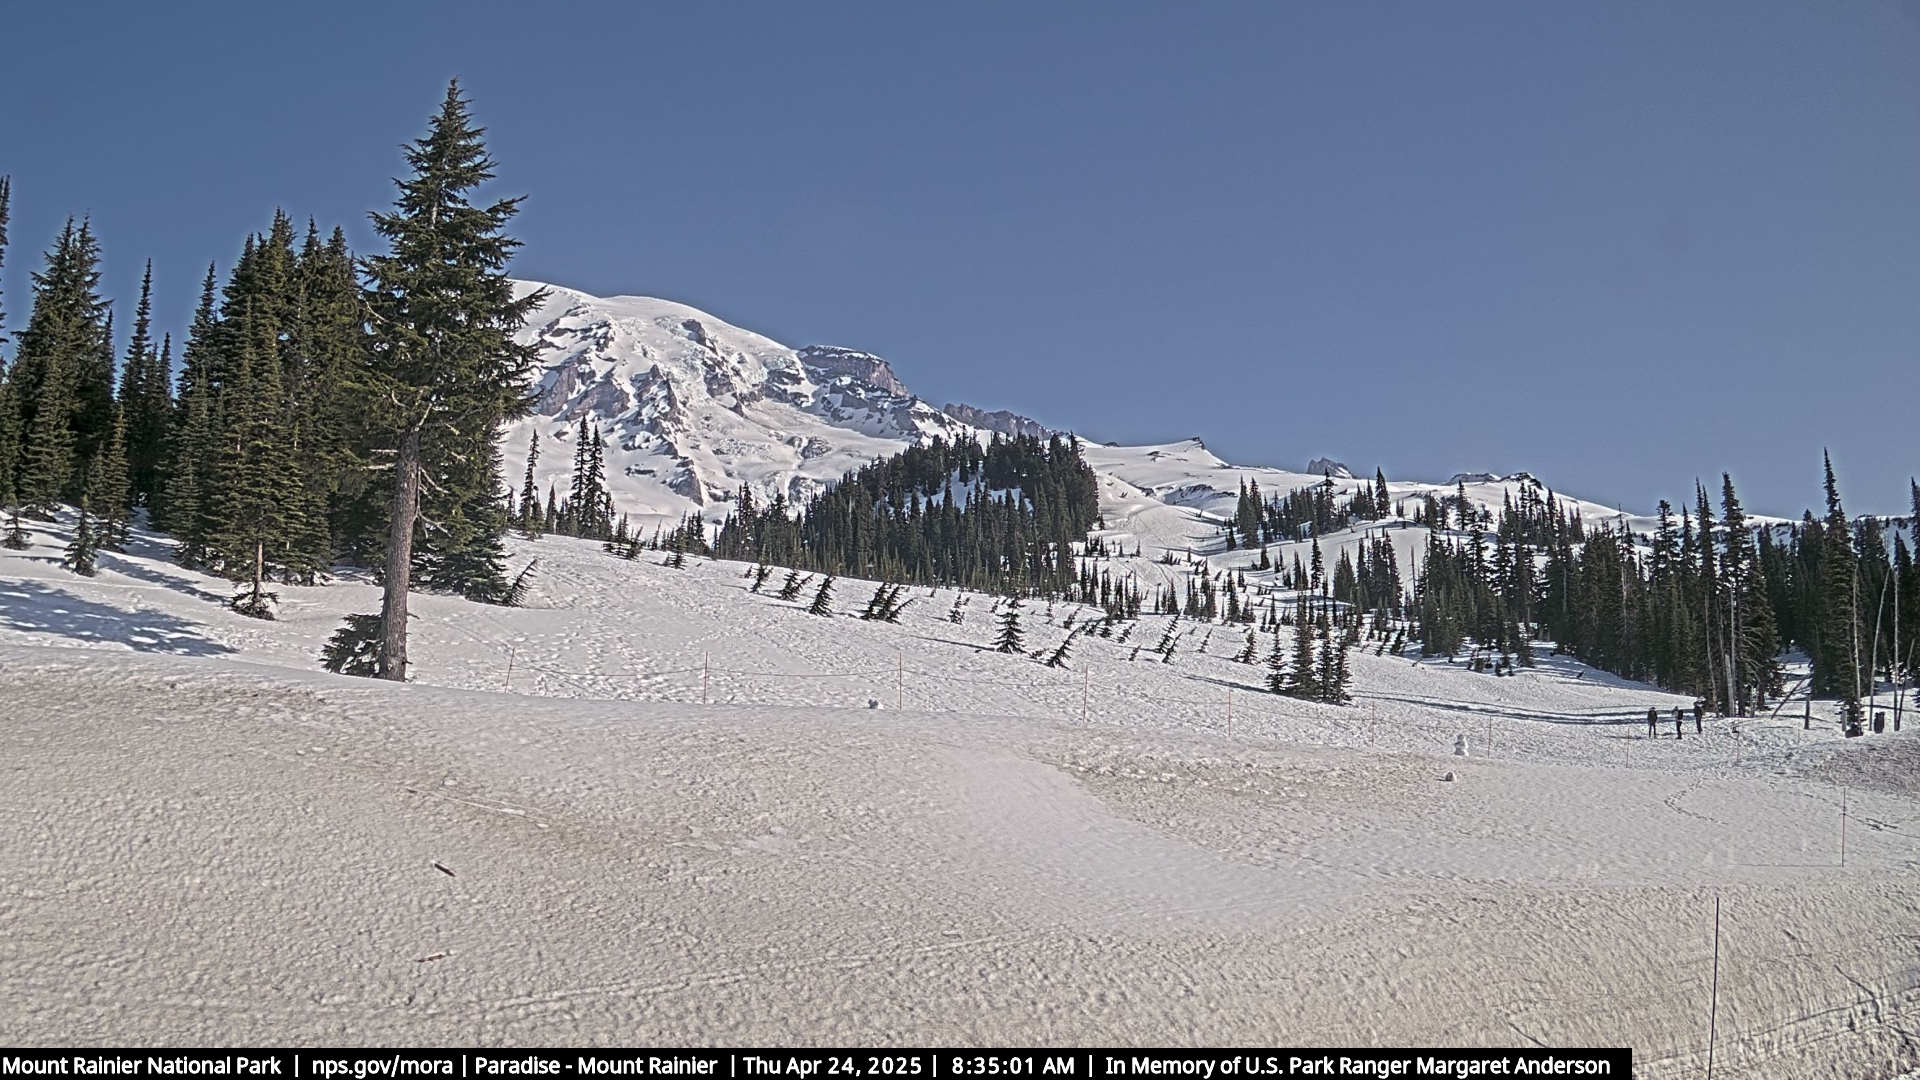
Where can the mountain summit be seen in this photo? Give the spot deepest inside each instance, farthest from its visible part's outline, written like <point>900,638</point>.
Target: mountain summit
<point>691,406</point>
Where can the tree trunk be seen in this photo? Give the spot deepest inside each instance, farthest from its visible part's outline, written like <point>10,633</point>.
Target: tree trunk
<point>399,562</point>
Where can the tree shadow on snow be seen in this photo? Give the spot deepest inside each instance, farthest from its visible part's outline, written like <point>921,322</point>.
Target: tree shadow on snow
<point>35,608</point>
<point>129,568</point>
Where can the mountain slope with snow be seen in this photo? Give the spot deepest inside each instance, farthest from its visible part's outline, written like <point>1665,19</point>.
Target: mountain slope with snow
<point>653,807</point>
<point>691,407</point>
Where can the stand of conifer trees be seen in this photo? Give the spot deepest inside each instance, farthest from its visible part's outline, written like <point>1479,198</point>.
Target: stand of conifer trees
<point>1002,517</point>
<point>307,381</point>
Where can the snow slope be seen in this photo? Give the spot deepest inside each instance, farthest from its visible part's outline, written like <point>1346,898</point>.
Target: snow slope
<point>690,407</point>
<point>684,823</point>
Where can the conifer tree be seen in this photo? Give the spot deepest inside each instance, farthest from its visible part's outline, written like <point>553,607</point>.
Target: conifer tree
<point>823,599</point>
<point>109,489</point>
<point>1837,663</point>
<point>6,199</point>
<point>1058,658</point>
<point>1011,638</point>
<point>1246,655</point>
<point>790,589</point>
<point>531,521</point>
<point>1303,680</point>
<point>354,649</point>
<point>194,442</point>
<point>257,506</point>
<point>443,317</point>
<point>146,400</point>
<point>84,546</point>
<point>59,352</point>
<point>1277,680</point>
<point>760,573</point>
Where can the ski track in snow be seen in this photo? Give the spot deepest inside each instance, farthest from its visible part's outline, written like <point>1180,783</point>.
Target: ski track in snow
<point>205,840</point>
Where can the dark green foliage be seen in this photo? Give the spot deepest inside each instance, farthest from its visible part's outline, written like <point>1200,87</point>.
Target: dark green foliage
<point>146,401</point>
<point>531,520</point>
<point>354,648</point>
<point>109,489</point>
<point>790,589</point>
<point>1011,638</point>
<point>443,367</point>
<point>1026,503</point>
<point>1058,658</point>
<point>823,599</point>
<point>84,547</point>
<point>517,590</point>
<point>59,409</point>
<point>759,574</point>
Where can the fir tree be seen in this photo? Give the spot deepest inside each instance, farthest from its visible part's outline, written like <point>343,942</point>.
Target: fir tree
<point>193,442</point>
<point>1011,638</point>
<point>1277,666</point>
<point>6,198</point>
<point>444,318</point>
<point>1836,664</point>
<point>877,604</point>
<point>760,573</point>
<point>790,589</point>
<point>146,401</point>
<point>354,649</point>
<point>1303,680</point>
<point>81,551</point>
<point>823,599</point>
<point>52,375</point>
<point>1058,658</point>
<point>1246,655</point>
<point>532,523</point>
<point>109,489</point>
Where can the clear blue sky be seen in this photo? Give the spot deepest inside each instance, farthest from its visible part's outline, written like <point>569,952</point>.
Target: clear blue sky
<point>1621,245</point>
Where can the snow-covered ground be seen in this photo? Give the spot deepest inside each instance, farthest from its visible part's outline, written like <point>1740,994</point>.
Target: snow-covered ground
<point>699,815</point>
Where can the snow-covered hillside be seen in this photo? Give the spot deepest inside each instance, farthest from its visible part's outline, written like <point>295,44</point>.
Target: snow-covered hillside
<point>652,807</point>
<point>690,407</point>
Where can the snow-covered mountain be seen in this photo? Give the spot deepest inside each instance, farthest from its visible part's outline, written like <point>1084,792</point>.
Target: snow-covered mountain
<point>691,406</point>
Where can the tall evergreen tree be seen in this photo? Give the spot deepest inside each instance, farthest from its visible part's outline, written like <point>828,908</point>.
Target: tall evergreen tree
<point>59,353</point>
<point>531,519</point>
<point>1836,668</point>
<point>443,316</point>
<point>146,399</point>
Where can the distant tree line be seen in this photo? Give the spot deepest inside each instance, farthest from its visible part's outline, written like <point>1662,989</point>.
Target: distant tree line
<point>1704,606</point>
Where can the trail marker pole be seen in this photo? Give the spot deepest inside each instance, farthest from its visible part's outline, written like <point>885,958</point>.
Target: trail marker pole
<point>1713,1008</point>
<point>1843,826</point>
<point>703,678</point>
<point>510,654</point>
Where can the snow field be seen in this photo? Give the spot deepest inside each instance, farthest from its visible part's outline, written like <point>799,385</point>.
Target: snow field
<point>203,837</point>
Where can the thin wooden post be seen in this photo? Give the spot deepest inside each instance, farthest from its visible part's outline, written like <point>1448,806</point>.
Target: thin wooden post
<point>1713,998</point>
<point>510,654</point>
<point>1843,826</point>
